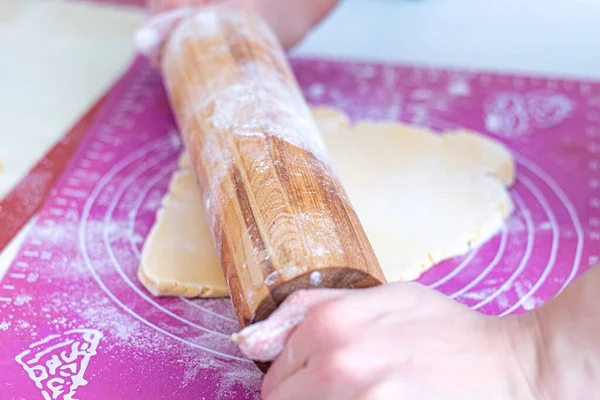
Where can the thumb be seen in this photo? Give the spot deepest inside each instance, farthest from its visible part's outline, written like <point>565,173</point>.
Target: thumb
<point>265,340</point>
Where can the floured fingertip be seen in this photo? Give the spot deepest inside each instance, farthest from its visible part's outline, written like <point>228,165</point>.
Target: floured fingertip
<point>147,41</point>
<point>248,331</point>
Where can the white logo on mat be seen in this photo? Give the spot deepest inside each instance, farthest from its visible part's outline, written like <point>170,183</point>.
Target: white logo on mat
<point>505,114</point>
<point>57,363</point>
<point>512,114</point>
<point>548,109</point>
<point>459,87</point>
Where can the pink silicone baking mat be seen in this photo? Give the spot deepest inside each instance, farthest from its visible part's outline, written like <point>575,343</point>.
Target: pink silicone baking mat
<point>76,323</point>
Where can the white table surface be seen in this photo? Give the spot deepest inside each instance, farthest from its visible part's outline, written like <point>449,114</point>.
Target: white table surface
<point>548,37</point>
<point>544,37</point>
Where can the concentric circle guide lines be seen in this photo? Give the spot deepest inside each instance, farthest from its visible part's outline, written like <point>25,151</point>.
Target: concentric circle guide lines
<point>543,175</point>
<point>553,250</point>
<point>456,270</point>
<point>82,229</point>
<point>108,218</point>
<point>206,310</point>
<point>488,269</point>
<point>524,260</point>
<point>138,204</point>
<point>527,183</point>
<point>132,217</point>
<point>537,194</point>
<point>530,186</point>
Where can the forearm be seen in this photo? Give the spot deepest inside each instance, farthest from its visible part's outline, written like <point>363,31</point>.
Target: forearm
<point>569,341</point>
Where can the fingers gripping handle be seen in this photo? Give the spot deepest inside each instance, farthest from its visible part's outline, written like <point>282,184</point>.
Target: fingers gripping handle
<point>279,216</point>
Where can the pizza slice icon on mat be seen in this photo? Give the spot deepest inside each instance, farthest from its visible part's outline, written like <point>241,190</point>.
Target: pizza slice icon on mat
<point>57,363</point>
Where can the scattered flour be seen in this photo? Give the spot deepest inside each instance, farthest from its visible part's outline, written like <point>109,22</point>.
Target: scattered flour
<point>315,278</point>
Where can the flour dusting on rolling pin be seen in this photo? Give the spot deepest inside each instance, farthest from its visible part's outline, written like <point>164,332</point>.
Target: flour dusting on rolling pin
<point>260,162</point>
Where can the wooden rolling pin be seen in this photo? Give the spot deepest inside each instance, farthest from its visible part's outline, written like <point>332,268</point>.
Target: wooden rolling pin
<point>279,216</point>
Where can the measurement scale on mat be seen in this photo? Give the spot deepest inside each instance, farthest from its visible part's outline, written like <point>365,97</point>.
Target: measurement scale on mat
<point>74,280</point>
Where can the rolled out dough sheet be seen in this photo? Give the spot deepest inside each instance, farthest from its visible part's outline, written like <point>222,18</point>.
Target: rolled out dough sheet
<point>179,256</point>
<point>422,198</point>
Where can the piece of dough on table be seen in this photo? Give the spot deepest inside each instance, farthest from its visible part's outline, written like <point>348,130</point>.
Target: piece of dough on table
<point>179,256</point>
<point>422,198</point>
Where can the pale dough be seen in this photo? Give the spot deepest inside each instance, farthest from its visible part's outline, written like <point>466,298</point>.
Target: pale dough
<point>179,256</point>
<point>422,198</point>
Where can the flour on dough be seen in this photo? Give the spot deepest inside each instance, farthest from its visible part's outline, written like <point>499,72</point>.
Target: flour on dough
<point>179,256</point>
<point>422,198</point>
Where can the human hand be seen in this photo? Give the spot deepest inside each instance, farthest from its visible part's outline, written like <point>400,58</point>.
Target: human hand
<point>290,19</point>
<point>401,341</point>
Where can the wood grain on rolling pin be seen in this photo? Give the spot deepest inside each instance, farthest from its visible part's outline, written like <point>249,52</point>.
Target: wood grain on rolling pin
<point>278,213</point>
